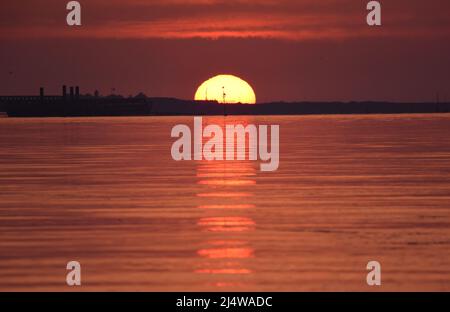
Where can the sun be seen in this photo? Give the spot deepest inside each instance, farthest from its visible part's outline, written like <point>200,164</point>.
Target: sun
<point>227,89</point>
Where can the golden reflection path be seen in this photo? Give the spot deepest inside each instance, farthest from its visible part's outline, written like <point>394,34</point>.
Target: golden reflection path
<point>225,198</point>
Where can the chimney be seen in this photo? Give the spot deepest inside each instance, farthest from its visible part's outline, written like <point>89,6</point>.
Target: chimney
<point>77,92</point>
<point>64,92</point>
<point>71,93</point>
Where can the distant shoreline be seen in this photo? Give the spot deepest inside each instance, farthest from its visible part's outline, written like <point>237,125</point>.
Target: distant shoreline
<point>149,107</point>
<point>5,116</point>
<point>76,105</point>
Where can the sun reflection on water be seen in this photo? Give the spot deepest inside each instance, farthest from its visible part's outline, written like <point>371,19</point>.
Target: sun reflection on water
<point>227,221</point>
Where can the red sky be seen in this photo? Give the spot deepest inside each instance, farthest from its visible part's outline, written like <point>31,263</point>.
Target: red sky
<point>286,49</point>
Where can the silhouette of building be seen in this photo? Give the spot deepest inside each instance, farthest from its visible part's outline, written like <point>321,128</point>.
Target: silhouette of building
<point>141,105</point>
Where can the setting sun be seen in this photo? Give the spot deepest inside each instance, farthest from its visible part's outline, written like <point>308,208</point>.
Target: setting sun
<point>226,89</point>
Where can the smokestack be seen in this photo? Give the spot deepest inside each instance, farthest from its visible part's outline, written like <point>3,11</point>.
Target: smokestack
<point>71,93</point>
<point>41,94</point>
<point>64,92</point>
<point>77,92</point>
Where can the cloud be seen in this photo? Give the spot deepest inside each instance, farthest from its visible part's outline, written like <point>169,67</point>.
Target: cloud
<point>212,19</point>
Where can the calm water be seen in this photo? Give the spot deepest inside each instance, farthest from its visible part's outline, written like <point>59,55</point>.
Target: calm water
<point>106,192</point>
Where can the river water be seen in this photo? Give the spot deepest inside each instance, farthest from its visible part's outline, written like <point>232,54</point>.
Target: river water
<point>107,193</point>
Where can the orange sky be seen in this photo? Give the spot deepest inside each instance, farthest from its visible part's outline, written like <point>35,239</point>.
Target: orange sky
<point>312,38</point>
